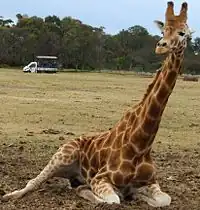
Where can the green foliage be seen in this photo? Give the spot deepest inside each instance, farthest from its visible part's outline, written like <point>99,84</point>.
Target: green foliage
<point>82,46</point>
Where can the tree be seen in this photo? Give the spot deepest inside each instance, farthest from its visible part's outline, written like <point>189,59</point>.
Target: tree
<point>138,31</point>
<point>82,46</point>
<point>196,44</point>
<point>5,22</point>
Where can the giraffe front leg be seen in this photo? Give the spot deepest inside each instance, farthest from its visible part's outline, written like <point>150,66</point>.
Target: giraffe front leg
<point>153,195</point>
<point>60,163</point>
<point>103,189</point>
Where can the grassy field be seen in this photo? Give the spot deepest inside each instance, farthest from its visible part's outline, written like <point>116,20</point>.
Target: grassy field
<point>39,112</point>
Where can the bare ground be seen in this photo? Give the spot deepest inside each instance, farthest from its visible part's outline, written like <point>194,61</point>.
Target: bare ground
<point>41,112</point>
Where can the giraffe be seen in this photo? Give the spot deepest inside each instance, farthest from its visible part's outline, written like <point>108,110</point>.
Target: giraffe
<point>114,164</point>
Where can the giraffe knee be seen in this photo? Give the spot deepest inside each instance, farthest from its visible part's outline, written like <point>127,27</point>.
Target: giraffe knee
<point>145,172</point>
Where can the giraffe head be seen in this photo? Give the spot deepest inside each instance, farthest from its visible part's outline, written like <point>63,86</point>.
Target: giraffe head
<point>175,30</point>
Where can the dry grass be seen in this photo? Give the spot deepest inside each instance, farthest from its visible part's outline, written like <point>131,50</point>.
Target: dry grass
<point>88,102</point>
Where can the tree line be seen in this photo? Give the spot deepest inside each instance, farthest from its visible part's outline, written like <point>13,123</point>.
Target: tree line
<point>81,46</point>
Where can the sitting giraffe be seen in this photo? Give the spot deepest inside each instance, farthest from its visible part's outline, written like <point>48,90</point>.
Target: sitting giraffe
<point>117,163</point>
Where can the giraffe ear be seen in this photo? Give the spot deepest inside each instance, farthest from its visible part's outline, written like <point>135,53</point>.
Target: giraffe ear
<point>159,24</point>
<point>192,31</point>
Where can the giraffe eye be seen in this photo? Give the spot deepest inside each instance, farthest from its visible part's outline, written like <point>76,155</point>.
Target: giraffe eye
<point>181,33</point>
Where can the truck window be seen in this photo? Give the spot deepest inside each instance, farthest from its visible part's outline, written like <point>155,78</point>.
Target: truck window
<point>32,65</point>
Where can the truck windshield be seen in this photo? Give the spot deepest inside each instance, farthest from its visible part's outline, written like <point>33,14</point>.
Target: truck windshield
<point>47,63</point>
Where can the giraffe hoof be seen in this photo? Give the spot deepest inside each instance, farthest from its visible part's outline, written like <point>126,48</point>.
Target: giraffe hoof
<point>14,195</point>
<point>160,199</point>
<point>112,198</point>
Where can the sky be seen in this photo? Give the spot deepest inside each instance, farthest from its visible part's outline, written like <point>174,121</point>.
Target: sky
<point>114,15</point>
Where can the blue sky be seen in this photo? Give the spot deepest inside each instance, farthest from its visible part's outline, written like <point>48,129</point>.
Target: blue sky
<point>114,15</point>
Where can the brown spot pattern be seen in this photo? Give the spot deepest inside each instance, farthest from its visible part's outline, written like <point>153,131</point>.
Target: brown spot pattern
<point>129,151</point>
<point>109,140</point>
<point>114,160</point>
<point>162,93</point>
<point>126,167</point>
<point>144,172</point>
<point>95,161</point>
<point>117,178</point>
<point>170,78</point>
<point>118,141</point>
<point>104,155</point>
<point>148,125</point>
<point>154,108</point>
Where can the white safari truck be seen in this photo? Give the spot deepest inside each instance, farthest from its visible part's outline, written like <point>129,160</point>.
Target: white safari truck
<point>47,64</point>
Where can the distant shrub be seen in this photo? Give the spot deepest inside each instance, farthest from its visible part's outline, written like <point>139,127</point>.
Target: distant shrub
<point>4,66</point>
<point>190,78</point>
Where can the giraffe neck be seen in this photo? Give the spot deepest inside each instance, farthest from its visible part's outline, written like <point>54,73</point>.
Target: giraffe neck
<point>142,122</point>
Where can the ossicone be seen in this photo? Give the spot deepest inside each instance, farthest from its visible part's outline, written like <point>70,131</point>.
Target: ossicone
<point>169,15</point>
<point>183,12</point>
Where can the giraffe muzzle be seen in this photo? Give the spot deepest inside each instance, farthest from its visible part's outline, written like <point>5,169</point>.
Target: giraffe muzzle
<point>162,47</point>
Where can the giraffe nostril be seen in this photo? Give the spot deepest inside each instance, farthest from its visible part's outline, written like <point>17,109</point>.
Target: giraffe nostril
<point>164,44</point>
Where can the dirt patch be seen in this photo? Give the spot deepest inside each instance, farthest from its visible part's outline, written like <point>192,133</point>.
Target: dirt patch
<point>50,131</point>
<point>178,175</point>
<point>54,131</point>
